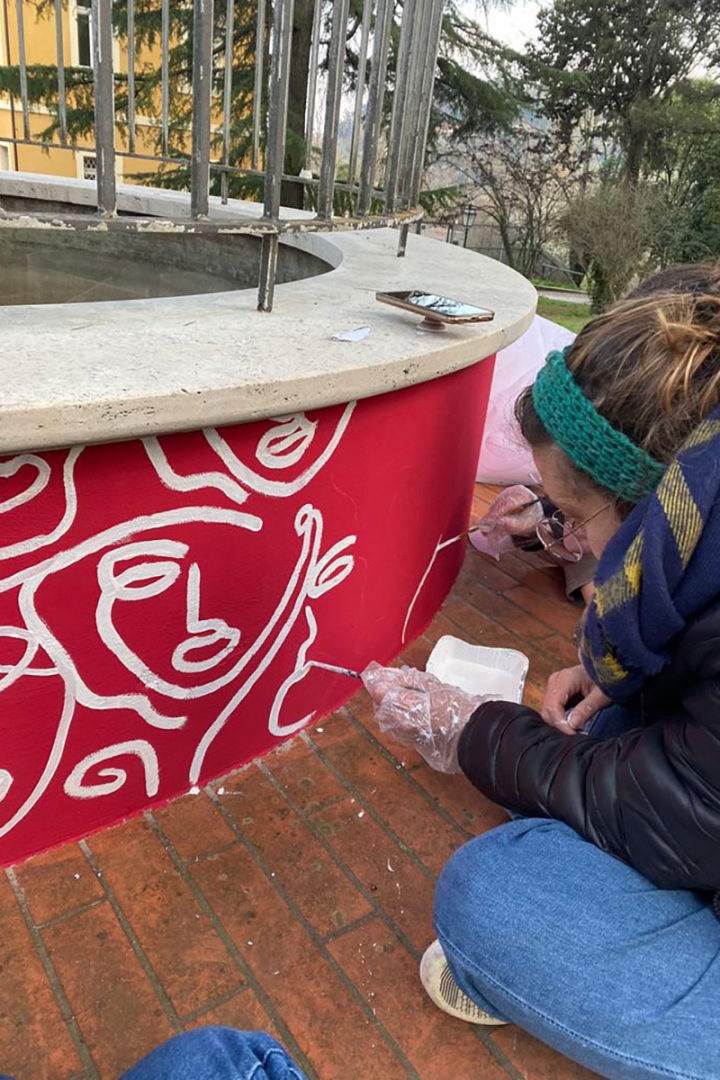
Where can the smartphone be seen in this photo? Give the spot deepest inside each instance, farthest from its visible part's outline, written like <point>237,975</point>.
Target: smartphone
<point>436,309</point>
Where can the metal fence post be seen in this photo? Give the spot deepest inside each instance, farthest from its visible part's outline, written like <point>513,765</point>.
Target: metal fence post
<point>104,105</point>
<point>275,150</point>
<point>336,66</point>
<point>202,92</point>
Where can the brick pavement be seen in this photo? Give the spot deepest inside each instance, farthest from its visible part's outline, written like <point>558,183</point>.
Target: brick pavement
<point>293,896</point>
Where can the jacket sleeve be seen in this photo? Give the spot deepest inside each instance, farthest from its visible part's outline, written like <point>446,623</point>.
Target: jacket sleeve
<point>647,797</point>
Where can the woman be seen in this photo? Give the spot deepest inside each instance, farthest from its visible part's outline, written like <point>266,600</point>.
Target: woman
<point>589,918</point>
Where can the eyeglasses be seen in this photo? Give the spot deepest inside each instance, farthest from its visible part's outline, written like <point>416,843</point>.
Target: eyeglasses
<point>558,535</point>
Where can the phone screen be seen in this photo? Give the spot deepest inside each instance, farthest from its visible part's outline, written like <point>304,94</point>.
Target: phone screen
<point>441,306</point>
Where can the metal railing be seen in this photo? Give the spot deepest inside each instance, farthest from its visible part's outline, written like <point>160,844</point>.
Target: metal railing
<point>381,188</point>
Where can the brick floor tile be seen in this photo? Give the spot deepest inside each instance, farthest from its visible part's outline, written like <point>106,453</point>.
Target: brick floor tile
<point>58,881</point>
<point>301,774</point>
<point>361,708</point>
<point>487,571</point>
<point>391,793</point>
<point>194,826</point>
<point>564,652</point>
<point>119,1015</point>
<point>457,796</point>
<point>188,957</point>
<point>34,1042</point>
<point>243,1011</point>
<point>400,888</point>
<point>324,895</point>
<point>498,607</point>
<point>387,977</point>
<point>534,1060</point>
<point>325,1020</point>
<point>562,617</point>
<point>416,654</point>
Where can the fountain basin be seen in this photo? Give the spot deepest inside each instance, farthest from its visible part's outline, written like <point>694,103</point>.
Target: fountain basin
<point>200,502</point>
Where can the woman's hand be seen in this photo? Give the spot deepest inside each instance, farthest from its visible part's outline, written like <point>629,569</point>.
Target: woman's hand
<point>562,688</point>
<point>418,710</point>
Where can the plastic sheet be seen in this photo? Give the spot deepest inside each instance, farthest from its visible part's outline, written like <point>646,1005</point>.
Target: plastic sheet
<point>417,710</point>
<point>505,458</point>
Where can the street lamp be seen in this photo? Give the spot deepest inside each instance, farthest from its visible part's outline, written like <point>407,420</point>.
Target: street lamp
<point>468,214</point>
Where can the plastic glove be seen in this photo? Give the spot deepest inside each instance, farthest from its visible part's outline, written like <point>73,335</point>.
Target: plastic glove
<point>508,517</point>
<point>417,710</point>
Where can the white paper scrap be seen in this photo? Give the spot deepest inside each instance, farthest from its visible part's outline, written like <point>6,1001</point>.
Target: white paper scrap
<point>351,335</point>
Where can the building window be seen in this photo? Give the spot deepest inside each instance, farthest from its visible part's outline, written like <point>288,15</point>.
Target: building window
<point>84,35</point>
<point>5,157</point>
<point>88,166</point>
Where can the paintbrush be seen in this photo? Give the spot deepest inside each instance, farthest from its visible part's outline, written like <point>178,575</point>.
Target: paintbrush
<point>337,670</point>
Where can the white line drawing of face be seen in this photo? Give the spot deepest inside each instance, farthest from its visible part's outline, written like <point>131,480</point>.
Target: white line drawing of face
<point>279,448</point>
<point>140,582</point>
<point>314,575</point>
<point>36,488</point>
<point>39,634</point>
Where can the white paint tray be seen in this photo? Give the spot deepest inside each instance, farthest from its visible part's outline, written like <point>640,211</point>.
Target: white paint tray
<point>479,670</point>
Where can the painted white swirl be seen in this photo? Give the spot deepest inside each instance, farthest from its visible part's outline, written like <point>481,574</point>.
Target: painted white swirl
<point>77,788</point>
<point>33,543</point>
<point>277,488</point>
<point>41,481</point>
<point>285,445</point>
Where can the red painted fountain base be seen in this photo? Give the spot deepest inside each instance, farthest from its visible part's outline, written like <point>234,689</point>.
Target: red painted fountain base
<point>163,602</point>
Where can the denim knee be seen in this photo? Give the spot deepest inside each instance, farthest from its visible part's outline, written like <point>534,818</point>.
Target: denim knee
<point>470,887</point>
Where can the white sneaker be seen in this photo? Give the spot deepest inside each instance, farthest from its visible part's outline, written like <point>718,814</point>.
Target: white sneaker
<point>437,978</point>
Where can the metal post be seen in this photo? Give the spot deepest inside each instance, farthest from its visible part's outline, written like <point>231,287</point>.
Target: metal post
<point>165,71</point>
<point>268,271</point>
<point>104,105</point>
<point>376,95</point>
<point>277,119</point>
<point>336,64</point>
<point>257,92</point>
<point>312,82</point>
<point>360,89</point>
<point>131,74</point>
<point>399,123</point>
<point>427,98</point>
<point>60,50</point>
<point>202,91</point>
<point>418,69</point>
<point>227,92</point>
<point>275,153</point>
<point>23,67</point>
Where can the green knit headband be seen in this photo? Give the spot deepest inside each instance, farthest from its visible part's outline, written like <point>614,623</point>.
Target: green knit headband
<point>591,443</point>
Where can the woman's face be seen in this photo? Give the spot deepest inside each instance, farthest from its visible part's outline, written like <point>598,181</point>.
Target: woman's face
<point>577,503</point>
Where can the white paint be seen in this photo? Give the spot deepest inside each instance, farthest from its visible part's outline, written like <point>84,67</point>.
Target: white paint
<point>164,564</point>
<point>34,543</point>
<point>286,444</point>
<point>76,787</point>
<point>439,547</point>
<point>6,780</point>
<point>261,484</point>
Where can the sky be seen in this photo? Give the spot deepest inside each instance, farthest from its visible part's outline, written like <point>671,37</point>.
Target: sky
<point>514,27</point>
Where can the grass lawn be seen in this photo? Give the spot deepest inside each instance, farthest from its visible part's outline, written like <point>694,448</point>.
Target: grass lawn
<point>572,316</point>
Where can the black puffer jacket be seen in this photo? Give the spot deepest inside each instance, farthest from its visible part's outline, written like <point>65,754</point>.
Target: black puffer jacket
<point>651,797</point>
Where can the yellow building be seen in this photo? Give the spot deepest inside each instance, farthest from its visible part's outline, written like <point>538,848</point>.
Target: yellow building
<point>40,48</point>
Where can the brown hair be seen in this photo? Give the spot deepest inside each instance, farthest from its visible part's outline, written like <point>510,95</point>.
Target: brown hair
<point>650,365</point>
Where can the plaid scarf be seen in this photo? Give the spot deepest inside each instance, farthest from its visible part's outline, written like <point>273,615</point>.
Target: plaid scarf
<point>660,569</point>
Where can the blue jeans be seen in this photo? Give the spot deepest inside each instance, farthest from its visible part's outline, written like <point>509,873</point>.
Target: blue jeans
<point>215,1053</point>
<point>547,931</point>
